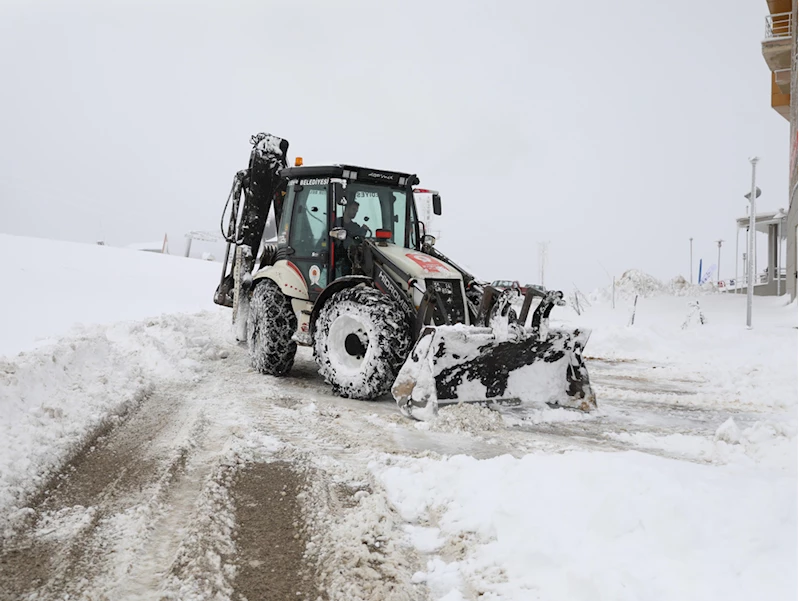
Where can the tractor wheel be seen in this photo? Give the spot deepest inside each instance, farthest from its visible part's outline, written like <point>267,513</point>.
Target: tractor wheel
<point>361,341</point>
<point>270,328</point>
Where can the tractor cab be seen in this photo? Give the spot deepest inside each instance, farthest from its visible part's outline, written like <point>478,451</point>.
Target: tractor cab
<point>328,210</point>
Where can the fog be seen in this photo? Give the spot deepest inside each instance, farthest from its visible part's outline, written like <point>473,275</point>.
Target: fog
<point>613,131</point>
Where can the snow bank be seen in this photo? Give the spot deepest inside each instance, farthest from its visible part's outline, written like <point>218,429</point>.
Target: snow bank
<point>55,285</point>
<point>635,282</point>
<point>596,526</point>
<point>57,392</point>
<point>52,399</point>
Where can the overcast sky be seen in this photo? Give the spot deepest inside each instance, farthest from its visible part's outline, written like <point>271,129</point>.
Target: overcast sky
<point>614,130</point>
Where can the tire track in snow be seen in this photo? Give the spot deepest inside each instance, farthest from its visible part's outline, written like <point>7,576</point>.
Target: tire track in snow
<point>354,536</point>
<point>271,538</point>
<point>86,525</point>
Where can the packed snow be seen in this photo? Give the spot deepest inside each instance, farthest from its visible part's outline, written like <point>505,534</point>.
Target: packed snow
<point>681,485</point>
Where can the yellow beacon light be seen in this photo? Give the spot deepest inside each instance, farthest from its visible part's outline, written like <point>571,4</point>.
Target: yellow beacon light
<point>298,162</point>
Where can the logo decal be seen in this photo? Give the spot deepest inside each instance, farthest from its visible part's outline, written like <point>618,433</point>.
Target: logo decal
<point>392,290</point>
<point>315,182</point>
<point>380,175</point>
<point>428,264</point>
<point>314,273</point>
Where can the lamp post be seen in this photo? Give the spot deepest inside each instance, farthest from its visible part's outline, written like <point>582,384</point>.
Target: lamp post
<point>750,264</point>
<point>691,242</point>
<point>718,263</point>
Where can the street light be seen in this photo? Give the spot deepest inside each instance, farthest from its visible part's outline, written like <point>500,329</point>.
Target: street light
<point>691,279</point>
<point>718,263</point>
<point>750,264</point>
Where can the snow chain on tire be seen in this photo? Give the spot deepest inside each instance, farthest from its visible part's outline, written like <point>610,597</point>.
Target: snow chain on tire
<point>361,341</point>
<point>270,328</point>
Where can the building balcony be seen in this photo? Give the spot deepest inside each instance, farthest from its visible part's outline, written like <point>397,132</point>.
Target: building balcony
<point>777,47</point>
<point>777,41</point>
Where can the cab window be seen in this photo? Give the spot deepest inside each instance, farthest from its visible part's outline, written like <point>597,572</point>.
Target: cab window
<point>310,226</point>
<point>381,208</point>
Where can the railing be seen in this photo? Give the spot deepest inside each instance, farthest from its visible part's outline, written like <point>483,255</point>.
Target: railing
<point>762,277</point>
<point>779,25</point>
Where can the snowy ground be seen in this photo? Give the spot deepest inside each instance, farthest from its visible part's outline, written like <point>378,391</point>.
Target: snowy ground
<point>139,456</point>
<point>52,285</point>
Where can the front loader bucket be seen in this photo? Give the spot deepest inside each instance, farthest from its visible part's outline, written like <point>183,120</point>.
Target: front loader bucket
<point>466,364</point>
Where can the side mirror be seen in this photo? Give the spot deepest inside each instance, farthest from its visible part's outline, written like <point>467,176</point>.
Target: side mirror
<point>338,233</point>
<point>428,240</point>
<point>437,204</point>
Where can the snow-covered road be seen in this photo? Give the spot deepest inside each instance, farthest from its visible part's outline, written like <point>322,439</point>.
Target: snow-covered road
<point>152,502</point>
<point>147,460</point>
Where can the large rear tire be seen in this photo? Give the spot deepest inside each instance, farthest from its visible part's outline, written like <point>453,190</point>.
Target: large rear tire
<point>270,328</point>
<point>361,340</point>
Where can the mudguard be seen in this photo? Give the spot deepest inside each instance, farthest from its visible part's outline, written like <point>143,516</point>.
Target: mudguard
<point>286,275</point>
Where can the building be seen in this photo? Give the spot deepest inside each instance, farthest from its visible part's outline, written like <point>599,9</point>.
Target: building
<point>779,50</point>
<point>771,279</point>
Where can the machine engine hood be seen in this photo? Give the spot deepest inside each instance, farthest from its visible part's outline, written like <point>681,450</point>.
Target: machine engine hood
<point>418,264</point>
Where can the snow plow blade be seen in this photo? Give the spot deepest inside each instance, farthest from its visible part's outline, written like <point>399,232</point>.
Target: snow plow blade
<point>466,364</point>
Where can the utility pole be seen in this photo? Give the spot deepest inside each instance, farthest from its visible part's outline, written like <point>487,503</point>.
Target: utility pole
<point>542,257</point>
<point>750,264</point>
<point>718,263</point>
<point>691,241</point>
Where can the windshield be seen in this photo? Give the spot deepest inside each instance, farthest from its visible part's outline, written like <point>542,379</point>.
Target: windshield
<point>369,208</point>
